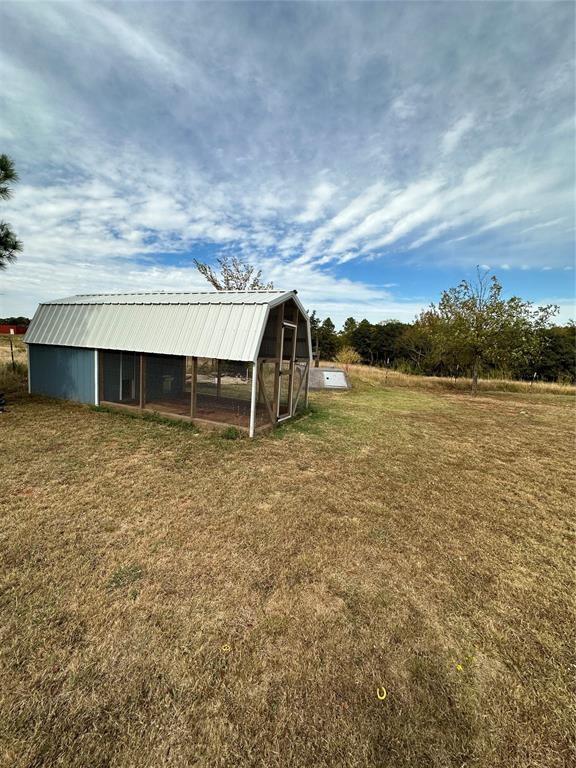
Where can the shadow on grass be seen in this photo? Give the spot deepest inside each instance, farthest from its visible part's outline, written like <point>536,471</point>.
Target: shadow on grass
<point>150,416</point>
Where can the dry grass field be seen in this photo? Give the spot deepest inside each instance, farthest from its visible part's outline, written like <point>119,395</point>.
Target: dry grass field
<point>392,378</point>
<point>18,346</point>
<point>175,599</point>
<point>12,378</point>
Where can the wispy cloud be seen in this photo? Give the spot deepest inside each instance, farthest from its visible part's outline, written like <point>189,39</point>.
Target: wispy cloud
<point>455,134</point>
<point>300,136</point>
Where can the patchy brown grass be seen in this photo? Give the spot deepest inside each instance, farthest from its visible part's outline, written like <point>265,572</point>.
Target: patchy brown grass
<point>18,346</point>
<point>176,599</point>
<point>12,377</point>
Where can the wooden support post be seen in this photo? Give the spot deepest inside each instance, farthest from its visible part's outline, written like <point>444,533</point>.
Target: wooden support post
<point>218,378</point>
<point>276,386</point>
<point>291,388</point>
<point>193,387</point>
<point>278,355</point>
<point>142,393</point>
<point>261,397</point>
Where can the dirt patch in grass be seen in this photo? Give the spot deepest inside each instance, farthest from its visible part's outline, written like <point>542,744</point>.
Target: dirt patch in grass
<point>175,599</point>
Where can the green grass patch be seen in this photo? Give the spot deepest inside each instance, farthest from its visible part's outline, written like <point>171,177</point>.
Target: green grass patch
<point>125,575</point>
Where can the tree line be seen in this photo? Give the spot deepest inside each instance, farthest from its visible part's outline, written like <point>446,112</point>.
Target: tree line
<point>20,320</point>
<point>473,331</point>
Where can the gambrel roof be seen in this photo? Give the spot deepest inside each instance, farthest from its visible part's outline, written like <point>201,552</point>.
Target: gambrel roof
<point>220,324</point>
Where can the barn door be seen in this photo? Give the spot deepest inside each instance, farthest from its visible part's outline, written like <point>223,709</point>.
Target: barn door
<point>284,406</point>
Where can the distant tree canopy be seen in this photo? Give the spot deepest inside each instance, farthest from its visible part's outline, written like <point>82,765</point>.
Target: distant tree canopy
<point>10,246</point>
<point>14,320</point>
<point>233,275</point>
<point>473,331</point>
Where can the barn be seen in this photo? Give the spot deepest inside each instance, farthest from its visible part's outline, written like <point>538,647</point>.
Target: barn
<point>229,357</point>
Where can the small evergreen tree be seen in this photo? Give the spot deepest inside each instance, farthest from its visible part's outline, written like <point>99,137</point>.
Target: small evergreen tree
<point>10,246</point>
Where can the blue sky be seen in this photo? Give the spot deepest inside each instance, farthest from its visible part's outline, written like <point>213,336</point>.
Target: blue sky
<point>368,155</point>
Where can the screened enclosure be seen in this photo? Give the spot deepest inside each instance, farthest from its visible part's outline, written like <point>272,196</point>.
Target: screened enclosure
<point>165,384</point>
<point>231,357</point>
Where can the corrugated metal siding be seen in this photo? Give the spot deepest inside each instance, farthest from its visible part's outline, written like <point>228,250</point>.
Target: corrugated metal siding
<point>225,326</point>
<point>64,372</point>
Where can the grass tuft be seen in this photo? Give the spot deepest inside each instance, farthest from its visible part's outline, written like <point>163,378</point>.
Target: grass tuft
<point>230,433</point>
<point>125,575</point>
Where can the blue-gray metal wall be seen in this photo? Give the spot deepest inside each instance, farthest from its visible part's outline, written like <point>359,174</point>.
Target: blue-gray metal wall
<point>64,372</point>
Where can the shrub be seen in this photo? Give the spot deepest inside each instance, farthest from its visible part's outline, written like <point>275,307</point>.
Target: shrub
<point>348,356</point>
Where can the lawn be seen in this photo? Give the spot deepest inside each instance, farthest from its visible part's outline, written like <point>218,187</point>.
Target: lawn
<point>386,582</point>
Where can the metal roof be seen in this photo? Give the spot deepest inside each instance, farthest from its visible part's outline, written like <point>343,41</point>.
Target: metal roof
<point>199,297</point>
<point>223,324</point>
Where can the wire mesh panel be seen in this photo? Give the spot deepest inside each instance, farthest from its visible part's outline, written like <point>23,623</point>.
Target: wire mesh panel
<point>120,377</point>
<point>202,388</point>
<point>166,388</point>
<point>267,392</point>
<point>299,386</point>
<point>224,390</point>
<point>284,390</point>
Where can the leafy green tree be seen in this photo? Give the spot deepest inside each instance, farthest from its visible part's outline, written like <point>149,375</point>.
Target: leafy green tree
<point>414,347</point>
<point>474,327</point>
<point>10,246</point>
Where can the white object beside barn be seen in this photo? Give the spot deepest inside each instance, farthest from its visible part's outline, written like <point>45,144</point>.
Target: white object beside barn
<point>335,380</point>
<point>328,378</point>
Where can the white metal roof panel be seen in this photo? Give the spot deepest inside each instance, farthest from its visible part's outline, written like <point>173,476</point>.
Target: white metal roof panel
<point>225,325</point>
<point>200,297</point>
